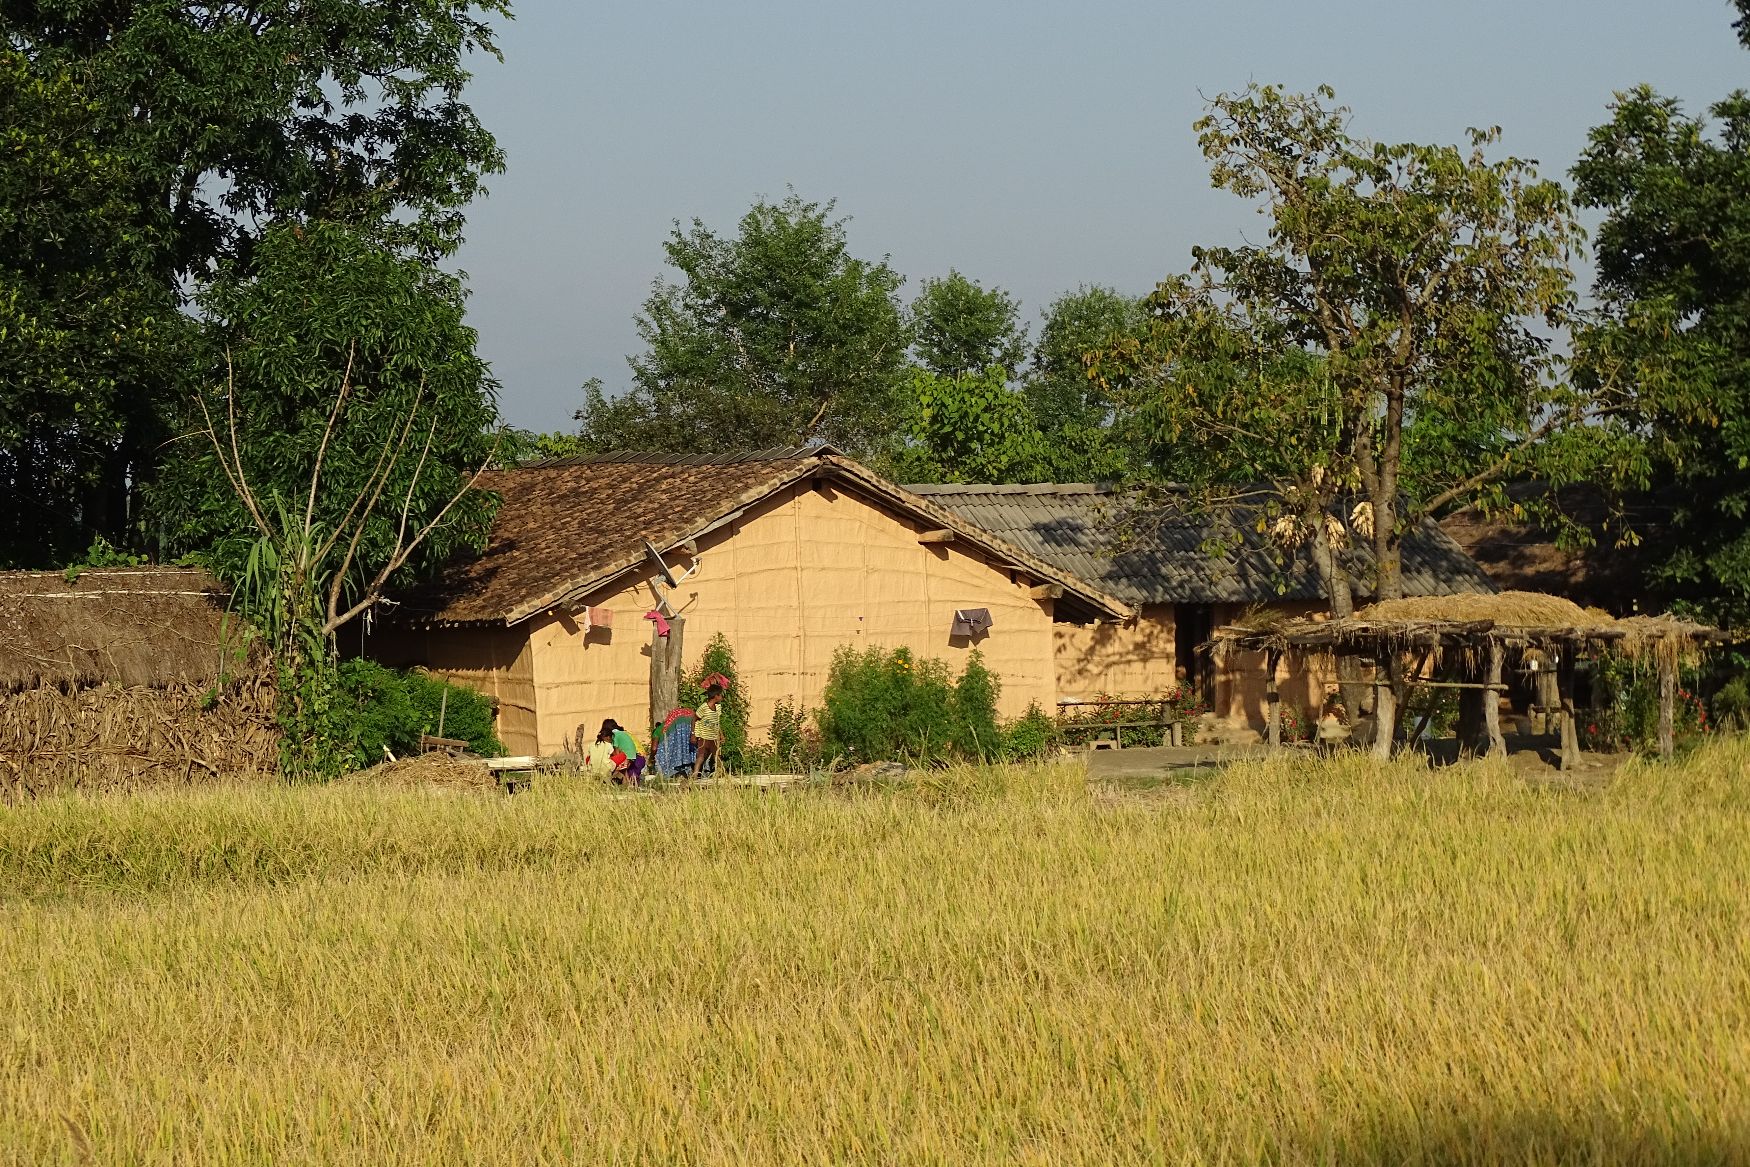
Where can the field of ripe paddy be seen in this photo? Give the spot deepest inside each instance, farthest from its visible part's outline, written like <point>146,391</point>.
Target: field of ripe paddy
<point>1279,963</point>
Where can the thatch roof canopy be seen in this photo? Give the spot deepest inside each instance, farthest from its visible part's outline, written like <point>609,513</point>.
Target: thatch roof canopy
<point>152,626</point>
<point>1528,619</point>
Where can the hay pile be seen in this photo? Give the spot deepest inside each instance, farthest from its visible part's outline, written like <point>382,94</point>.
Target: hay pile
<point>438,771</point>
<point>1508,609</point>
<point>110,738</point>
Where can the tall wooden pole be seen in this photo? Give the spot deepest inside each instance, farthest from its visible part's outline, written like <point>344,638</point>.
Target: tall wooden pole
<point>1385,707</point>
<point>1570,722</point>
<point>1667,707</point>
<point>665,670</point>
<point>1273,697</point>
<point>1492,698</point>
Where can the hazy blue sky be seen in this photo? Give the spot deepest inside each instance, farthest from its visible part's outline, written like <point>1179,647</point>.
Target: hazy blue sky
<point>1037,146</point>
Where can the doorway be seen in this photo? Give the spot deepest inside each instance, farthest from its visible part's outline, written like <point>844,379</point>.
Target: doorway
<point>1193,626</point>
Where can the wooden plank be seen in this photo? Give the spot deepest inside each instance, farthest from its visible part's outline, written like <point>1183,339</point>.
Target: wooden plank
<point>429,741</point>
<point>520,762</point>
<point>936,536</point>
<point>1046,592</point>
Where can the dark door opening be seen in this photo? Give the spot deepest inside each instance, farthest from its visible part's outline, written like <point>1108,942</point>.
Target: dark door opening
<point>1193,627</point>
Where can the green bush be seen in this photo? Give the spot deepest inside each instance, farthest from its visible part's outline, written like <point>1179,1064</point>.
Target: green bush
<point>382,708</point>
<point>887,705</point>
<point>719,657</point>
<point>1031,736</point>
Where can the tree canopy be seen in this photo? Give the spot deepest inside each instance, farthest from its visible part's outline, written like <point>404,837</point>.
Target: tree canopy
<point>961,327</point>
<point>776,336</point>
<point>1669,348</point>
<point>192,129</point>
<point>1379,345</point>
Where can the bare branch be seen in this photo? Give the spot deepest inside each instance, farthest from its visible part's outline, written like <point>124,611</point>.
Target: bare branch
<point>328,432</point>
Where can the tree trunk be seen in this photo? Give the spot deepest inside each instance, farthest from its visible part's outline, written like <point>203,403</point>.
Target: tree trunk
<point>1340,591</point>
<point>1385,501</point>
<point>1570,722</point>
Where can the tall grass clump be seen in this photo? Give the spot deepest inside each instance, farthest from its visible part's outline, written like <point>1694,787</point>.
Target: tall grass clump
<point>1285,962</point>
<point>882,704</point>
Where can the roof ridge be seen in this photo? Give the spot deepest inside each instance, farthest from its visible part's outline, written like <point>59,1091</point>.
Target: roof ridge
<point>665,458</point>
<point>1037,489</point>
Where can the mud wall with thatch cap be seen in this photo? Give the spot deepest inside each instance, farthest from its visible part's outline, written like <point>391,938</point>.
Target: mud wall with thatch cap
<point>125,678</point>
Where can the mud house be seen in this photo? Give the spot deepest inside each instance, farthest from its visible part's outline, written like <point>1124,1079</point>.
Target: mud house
<point>1186,572</point>
<point>791,554</point>
<point>122,677</point>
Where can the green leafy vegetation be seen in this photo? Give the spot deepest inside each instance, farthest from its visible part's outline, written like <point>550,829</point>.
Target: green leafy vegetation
<point>886,704</point>
<point>384,711</point>
<point>718,659</point>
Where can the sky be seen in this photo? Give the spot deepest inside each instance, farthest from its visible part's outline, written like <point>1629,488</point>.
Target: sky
<point>1034,146</point>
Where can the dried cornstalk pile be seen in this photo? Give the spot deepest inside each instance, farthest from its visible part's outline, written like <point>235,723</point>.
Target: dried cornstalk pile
<point>110,738</point>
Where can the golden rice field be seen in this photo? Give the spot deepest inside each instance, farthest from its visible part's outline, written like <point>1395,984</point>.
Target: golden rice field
<point>1289,964</point>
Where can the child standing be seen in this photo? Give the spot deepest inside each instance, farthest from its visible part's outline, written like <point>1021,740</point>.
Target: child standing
<point>707,727</point>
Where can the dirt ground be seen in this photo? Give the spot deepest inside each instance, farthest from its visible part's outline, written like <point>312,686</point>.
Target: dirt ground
<point>1531,756</point>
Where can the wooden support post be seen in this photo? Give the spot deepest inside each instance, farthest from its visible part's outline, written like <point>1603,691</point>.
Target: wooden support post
<point>1385,709</point>
<point>1570,721</point>
<point>1046,592</point>
<point>1273,698</point>
<point>1667,707</point>
<point>665,670</point>
<point>936,536</point>
<point>1492,698</point>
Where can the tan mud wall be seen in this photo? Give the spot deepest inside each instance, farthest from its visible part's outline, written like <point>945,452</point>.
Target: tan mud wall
<point>807,572</point>
<point>1240,688</point>
<point>495,661</point>
<point>1132,659</point>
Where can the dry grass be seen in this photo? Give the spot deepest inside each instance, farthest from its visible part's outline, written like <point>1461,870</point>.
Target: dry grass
<point>1343,964</point>
<point>1518,609</point>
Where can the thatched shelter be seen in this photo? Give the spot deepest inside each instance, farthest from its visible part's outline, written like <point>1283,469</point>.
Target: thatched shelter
<point>114,678</point>
<point>1472,635</point>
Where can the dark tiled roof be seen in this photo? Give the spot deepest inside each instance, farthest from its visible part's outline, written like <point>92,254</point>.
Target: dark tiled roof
<point>567,526</point>
<point>1166,556</point>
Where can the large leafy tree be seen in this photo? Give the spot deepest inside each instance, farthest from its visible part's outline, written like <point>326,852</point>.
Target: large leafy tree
<point>1403,281</point>
<point>331,448</point>
<point>213,122</point>
<point>961,327</point>
<point>775,336</point>
<point>1669,348</point>
<point>84,318</point>
<point>973,427</point>
<point>1085,439</point>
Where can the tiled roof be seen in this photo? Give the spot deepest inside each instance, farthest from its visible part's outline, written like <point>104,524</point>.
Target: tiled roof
<point>1172,555</point>
<point>568,526</point>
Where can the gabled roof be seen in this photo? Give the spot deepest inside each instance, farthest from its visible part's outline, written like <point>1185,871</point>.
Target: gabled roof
<point>568,527</point>
<point>1164,555</point>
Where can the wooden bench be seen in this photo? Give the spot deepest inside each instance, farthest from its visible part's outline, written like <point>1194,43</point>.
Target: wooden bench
<point>1109,735</point>
<point>430,744</point>
<point>513,774</point>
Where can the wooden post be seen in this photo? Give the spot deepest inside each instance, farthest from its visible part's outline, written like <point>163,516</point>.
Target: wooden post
<point>1273,698</point>
<point>1385,708</point>
<point>665,670</point>
<point>1570,721</point>
<point>1667,707</point>
<point>1492,697</point>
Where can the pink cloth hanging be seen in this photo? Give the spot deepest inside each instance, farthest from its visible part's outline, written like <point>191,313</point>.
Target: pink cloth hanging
<point>661,622</point>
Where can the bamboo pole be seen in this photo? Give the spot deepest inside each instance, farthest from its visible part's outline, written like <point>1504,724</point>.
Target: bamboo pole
<point>1667,707</point>
<point>1385,708</point>
<point>1492,699</point>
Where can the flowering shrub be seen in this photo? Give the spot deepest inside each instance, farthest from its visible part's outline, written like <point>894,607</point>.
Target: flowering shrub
<point>1081,723</point>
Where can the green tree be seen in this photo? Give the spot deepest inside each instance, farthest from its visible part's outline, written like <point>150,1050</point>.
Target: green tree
<point>1085,440</point>
<point>83,317</point>
<point>777,336</point>
<point>968,428</point>
<point>211,123</point>
<point>960,327</point>
<point>331,451</point>
<point>1407,277</point>
<point>1669,347</point>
